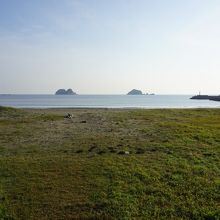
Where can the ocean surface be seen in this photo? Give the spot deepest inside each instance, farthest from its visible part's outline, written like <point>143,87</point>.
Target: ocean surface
<point>105,101</point>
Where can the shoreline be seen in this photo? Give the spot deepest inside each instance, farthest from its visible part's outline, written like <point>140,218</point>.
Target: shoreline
<point>109,108</point>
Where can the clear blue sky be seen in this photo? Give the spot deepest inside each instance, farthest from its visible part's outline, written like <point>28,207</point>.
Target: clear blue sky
<point>110,46</point>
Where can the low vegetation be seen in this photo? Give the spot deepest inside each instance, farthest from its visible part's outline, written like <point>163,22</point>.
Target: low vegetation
<point>109,164</point>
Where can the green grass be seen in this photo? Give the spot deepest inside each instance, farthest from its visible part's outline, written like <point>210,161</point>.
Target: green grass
<point>56,168</point>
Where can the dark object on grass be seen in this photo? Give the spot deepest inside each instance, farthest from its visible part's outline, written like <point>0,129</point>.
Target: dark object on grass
<point>112,150</point>
<point>92,148</point>
<point>208,154</point>
<point>123,152</point>
<point>169,152</point>
<point>140,151</point>
<point>79,151</point>
<point>152,149</point>
<point>83,122</point>
<point>101,152</point>
<point>69,116</point>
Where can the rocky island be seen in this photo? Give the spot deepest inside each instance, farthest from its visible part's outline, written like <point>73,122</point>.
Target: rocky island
<point>207,97</point>
<point>135,92</point>
<point>65,92</point>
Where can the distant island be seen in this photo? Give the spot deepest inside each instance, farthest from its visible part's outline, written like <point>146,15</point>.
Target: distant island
<point>135,92</point>
<point>206,97</point>
<point>138,92</point>
<point>150,94</point>
<point>65,92</point>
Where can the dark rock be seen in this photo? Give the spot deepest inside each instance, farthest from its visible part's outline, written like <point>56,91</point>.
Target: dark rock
<point>65,92</point>
<point>135,92</point>
<point>60,92</point>
<point>70,92</point>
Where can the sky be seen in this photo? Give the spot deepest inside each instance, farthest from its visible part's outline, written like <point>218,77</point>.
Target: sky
<point>110,46</point>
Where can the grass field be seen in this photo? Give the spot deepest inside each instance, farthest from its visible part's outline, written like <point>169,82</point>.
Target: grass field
<point>79,168</point>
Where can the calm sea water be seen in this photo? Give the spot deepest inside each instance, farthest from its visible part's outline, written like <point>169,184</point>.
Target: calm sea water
<point>105,101</point>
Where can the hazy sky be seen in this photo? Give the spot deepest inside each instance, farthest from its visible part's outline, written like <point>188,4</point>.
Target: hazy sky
<point>110,46</point>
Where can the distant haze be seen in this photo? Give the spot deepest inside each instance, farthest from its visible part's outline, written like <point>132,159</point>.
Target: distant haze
<point>110,46</point>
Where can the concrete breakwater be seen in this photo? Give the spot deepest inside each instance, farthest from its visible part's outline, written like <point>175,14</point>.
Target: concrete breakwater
<point>207,97</point>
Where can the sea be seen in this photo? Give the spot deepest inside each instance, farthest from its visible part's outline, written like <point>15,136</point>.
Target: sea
<point>105,101</point>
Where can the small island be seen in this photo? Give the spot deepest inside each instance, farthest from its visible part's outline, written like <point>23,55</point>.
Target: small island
<point>65,92</point>
<point>135,92</point>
